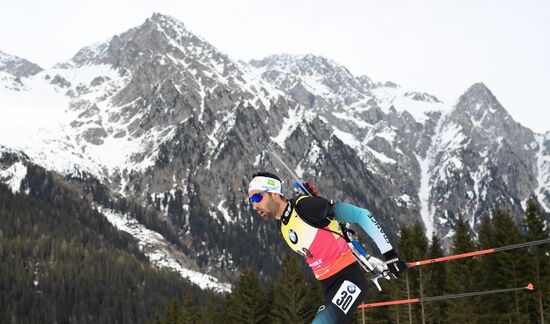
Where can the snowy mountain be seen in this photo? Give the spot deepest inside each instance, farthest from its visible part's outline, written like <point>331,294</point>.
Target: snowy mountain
<point>161,118</point>
<point>22,176</point>
<point>16,66</point>
<point>467,158</point>
<point>117,110</point>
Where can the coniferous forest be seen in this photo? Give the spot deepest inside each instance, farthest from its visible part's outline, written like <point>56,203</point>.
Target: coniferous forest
<point>69,265</point>
<point>294,297</point>
<point>57,267</point>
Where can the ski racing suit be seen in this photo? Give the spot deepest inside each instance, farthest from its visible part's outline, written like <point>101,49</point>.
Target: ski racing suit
<point>310,227</point>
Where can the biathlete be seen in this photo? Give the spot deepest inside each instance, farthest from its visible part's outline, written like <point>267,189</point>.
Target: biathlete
<point>309,225</point>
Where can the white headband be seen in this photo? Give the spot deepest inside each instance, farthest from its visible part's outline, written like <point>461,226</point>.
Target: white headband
<point>266,183</point>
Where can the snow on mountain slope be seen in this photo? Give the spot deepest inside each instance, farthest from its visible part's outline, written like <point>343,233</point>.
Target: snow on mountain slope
<point>110,109</point>
<point>435,167</point>
<point>160,115</point>
<point>10,82</point>
<point>17,66</point>
<point>424,146</point>
<point>13,175</point>
<point>161,252</point>
<point>323,84</point>
<point>543,170</point>
<point>313,81</point>
<point>48,122</point>
<point>93,114</point>
<point>33,121</point>
<point>369,117</point>
<point>416,103</point>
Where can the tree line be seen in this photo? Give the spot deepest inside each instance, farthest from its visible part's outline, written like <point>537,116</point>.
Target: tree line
<point>62,262</point>
<point>69,265</point>
<point>294,296</point>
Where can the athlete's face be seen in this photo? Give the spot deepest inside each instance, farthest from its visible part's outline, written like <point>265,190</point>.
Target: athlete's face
<point>267,207</point>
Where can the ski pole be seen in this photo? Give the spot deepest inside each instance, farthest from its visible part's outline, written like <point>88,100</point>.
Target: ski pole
<point>443,297</point>
<point>474,253</point>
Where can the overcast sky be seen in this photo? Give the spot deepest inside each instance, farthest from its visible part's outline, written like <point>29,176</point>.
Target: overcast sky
<point>440,47</point>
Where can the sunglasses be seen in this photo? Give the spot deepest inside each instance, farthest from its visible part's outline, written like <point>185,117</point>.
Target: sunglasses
<point>257,197</point>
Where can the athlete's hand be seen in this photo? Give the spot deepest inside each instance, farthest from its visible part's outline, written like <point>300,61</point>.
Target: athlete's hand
<point>395,265</point>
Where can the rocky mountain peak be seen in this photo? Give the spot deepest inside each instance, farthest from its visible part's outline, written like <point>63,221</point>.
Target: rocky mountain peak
<point>478,93</point>
<point>304,65</point>
<point>17,66</point>
<point>422,96</point>
<point>365,81</point>
<point>166,21</point>
<point>168,115</point>
<point>313,81</point>
<point>161,40</point>
<point>162,35</point>
<point>479,108</point>
<point>480,88</point>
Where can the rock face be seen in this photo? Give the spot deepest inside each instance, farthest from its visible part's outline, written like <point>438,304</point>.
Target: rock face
<point>162,118</point>
<point>441,160</point>
<point>482,159</point>
<point>17,66</point>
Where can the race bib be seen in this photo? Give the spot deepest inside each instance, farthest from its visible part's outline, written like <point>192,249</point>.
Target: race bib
<point>346,296</point>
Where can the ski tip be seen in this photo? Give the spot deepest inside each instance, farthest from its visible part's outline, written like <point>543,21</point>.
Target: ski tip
<point>530,286</point>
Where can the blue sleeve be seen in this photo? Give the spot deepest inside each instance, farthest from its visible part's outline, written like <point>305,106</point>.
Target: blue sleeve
<point>345,212</point>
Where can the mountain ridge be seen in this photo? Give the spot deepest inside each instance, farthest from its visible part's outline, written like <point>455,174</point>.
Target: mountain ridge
<point>18,67</point>
<point>162,118</point>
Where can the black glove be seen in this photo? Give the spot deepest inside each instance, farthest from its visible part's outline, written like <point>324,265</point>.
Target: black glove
<point>395,265</point>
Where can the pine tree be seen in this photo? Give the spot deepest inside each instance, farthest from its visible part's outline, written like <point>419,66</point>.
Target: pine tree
<point>400,289</point>
<point>59,267</point>
<point>173,313</point>
<point>435,282</point>
<point>539,265</point>
<point>290,299</point>
<point>460,276</point>
<point>190,313</point>
<point>413,246</point>
<point>214,310</point>
<point>419,252</point>
<point>486,267</point>
<point>247,304</point>
<point>509,271</point>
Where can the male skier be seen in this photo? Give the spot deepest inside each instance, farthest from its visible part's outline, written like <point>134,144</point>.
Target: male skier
<point>310,227</point>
